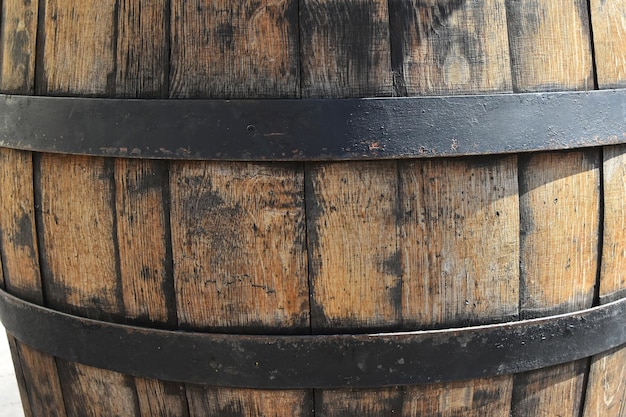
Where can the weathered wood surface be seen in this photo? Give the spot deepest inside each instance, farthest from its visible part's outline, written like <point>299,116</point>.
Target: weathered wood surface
<point>351,207</point>
<point>608,20</point>
<point>238,230</point>
<point>447,47</point>
<point>384,245</point>
<point>352,211</point>
<point>606,389</point>
<point>559,196</point>
<point>550,45</point>
<point>459,218</point>
<point>226,49</point>
<point>18,238</point>
<point>19,36</point>
<point>345,48</point>
<point>108,50</point>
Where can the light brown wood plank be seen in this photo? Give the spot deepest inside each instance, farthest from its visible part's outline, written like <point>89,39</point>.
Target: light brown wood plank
<point>17,225</point>
<point>484,398</point>
<point>606,390</point>
<point>145,267</point>
<point>240,264</point>
<point>22,277</point>
<point>19,36</point>
<point>161,399</point>
<point>560,192</point>
<point>444,47</point>
<point>354,260</point>
<point>551,50</point>
<point>358,402</point>
<point>460,217</point>
<point>345,48</point>
<point>238,230</point>
<point>79,49</point>
<point>19,366</point>
<point>550,45</point>
<point>351,207</point>
<point>78,244</point>
<point>609,39</point>
<point>80,268</point>
<point>554,391</point>
<point>613,272</point>
<point>142,231</point>
<point>142,49</point>
<point>213,401</point>
<point>142,193</point>
<point>96,393</point>
<point>17,218</point>
<point>45,399</point>
<point>460,243</point>
<point>460,252</point>
<point>239,247</point>
<point>226,49</point>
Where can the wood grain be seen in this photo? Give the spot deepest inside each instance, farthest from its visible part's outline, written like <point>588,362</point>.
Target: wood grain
<point>354,261</point>
<point>17,219</point>
<point>213,401</point>
<point>238,233</point>
<point>460,245</point>
<point>358,402</point>
<point>142,196</point>
<point>77,195</point>
<point>124,52</point>
<point>606,390</point>
<point>19,366</point>
<point>550,45</point>
<point>609,39</point>
<point>78,48</point>
<point>243,49</point>
<point>142,49</point>
<point>554,391</point>
<point>354,265</point>
<point>19,36</point>
<point>345,48</point>
<point>485,398</point>
<point>459,218</point>
<point>449,47</point>
<point>22,277</point>
<point>81,269</point>
<point>559,192</point>
<point>238,229</point>
<point>559,195</point>
<point>239,261</point>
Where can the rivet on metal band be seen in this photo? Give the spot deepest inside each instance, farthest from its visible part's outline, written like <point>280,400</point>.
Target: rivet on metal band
<point>314,129</point>
<point>323,361</point>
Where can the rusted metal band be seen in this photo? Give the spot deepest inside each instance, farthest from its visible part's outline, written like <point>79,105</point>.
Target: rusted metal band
<point>324,361</point>
<point>314,129</point>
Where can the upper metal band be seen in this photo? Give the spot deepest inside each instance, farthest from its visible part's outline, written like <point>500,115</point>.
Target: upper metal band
<point>323,361</point>
<point>314,129</point>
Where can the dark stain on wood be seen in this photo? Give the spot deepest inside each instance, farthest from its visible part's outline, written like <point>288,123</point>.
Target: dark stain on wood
<point>24,234</point>
<point>354,30</point>
<point>411,17</point>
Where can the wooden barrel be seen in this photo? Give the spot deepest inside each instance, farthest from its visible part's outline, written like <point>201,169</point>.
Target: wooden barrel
<point>313,246</point>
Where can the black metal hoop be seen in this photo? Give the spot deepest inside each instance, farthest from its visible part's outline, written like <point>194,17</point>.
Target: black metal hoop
<point>324,129</point>
<point>324,361</point>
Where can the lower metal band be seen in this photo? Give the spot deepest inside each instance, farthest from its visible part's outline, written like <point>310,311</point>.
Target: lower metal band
<point>324,361</point>
<point>314,129</point>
